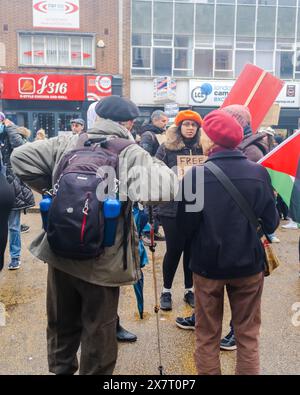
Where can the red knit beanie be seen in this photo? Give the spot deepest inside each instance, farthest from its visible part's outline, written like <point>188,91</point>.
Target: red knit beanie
<point>188,115</point>
<point>223,129</point>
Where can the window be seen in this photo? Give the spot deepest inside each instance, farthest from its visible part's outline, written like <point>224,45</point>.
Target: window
<point>204,24</point>
<point>266,17</point>
<point>204,63</point>
<point>223,63</point>
<point>141,57</point>
<point>286,23</point>
<point>162,61</point>
<point>245,29</point>
<point>264,60</point>
<point>53,50</point>
<point>284,64</point>
<point>241,59</point>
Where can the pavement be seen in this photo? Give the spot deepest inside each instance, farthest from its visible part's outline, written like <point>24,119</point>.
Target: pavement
<point>23,338</point>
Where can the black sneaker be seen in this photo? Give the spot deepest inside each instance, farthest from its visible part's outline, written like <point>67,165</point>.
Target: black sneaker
<point>166,301</point>
<point>186,323</point>
<point>189,298</point>
<point>25,228</point>
<point>228,342</point>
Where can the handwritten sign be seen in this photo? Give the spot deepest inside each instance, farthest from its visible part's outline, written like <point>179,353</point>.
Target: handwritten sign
<point>185,162</point>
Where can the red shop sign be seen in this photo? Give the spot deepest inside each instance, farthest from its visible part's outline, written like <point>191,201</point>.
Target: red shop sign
<point>42,87</point>
<point>98,86</point>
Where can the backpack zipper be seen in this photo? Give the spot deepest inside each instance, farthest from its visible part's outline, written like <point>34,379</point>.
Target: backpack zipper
<point>85,212</point>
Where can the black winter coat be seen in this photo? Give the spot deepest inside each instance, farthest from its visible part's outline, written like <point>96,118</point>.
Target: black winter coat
<point>224,244</point>
<point>168,153</point>
<point>149,141</point>
<point>10,139</point>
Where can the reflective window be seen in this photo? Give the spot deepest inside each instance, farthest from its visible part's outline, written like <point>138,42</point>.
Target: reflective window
<point>208,38</point>
<point>266,19</point>
<point>162,61</point>
<point>39,49</point>
<point>284,64</point>
<point>204,63</point>
<point>241,59</point>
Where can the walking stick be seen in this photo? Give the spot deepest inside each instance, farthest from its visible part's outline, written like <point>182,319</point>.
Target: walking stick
<point>157,306</point>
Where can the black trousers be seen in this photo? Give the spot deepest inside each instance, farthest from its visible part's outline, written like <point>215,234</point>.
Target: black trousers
<point>7,199</point>
<point>176,245</point>
<point>80,313</point>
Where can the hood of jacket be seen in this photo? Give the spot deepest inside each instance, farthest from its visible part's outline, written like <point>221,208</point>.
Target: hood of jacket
<point>151,128</point>
<point>107,128</point>
<point>174,140</point>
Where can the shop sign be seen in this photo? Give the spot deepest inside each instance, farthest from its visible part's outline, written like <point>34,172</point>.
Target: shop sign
<point>289,95</point>
<point>98,87</point>
<point>43,87</point>
<point>209,93</point>
<point>212,93</point>
<point>56,14</point>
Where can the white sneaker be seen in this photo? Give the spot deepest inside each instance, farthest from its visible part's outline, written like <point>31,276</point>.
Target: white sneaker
<point>290,225</point>
<point>275,239</point>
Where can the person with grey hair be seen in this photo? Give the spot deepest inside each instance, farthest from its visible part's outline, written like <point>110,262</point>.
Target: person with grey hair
<point>150,132</point>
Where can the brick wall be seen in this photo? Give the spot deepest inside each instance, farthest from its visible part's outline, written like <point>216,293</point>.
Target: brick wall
<point>96,16</point>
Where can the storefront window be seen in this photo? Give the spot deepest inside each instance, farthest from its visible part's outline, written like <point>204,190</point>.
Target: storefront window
<point>37,49</point>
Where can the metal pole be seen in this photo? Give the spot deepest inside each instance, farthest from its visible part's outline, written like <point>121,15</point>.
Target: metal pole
<point>157,305</point>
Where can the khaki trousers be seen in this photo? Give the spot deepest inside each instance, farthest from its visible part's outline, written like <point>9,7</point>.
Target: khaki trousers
<point>245,301</point>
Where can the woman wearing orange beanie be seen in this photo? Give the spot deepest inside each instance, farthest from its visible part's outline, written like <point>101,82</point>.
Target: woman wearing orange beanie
<point>183,138</point>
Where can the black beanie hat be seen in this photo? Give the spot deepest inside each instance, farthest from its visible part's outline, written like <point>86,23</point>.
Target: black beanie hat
<point>117,109</point>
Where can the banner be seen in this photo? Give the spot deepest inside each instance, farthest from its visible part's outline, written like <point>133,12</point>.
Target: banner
<point>42,87</point>
<point>56,14</point>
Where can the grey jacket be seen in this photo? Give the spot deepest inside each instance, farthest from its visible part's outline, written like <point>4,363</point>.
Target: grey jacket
<point>36,163</point>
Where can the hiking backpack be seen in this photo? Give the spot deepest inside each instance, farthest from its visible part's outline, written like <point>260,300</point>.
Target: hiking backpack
<point>75,228</point>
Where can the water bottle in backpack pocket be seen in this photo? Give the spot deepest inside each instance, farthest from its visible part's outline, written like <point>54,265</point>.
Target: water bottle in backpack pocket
<point>112,211</point>
<point>45,205</point>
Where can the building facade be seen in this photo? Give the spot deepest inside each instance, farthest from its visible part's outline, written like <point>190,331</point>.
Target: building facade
<point>197,42</point>
<point>57,56</point>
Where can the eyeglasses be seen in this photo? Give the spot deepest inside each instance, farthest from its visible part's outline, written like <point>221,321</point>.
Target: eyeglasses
<point>188,124</point>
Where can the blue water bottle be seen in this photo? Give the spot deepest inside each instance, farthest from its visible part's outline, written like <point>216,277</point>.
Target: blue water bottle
<point>111,211</point>
<point>45,205</point>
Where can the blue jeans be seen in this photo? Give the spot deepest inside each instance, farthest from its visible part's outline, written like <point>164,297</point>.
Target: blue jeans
<point>14,227</point>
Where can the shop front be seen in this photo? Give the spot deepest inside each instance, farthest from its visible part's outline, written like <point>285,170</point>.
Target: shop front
<point>50,101</point>
<point>204,96</point>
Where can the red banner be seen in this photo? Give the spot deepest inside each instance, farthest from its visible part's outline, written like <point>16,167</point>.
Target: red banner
<point>42,87</point>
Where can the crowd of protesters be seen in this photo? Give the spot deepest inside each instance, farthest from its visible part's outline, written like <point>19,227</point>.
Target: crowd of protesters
<point>83,294</point>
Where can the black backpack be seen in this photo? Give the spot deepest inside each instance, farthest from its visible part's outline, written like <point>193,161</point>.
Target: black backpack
<point>76,223</point>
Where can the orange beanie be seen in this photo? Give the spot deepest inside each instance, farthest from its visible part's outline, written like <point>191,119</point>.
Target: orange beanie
<point>188,115</point>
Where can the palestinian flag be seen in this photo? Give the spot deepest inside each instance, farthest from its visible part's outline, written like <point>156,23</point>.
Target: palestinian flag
<point>284,168</point>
